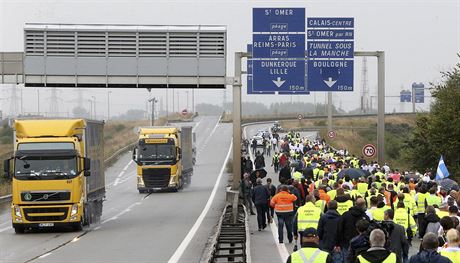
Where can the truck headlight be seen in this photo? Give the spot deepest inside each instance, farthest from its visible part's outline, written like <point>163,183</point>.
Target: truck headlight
<point>17,211</point>
<point>74,210</point>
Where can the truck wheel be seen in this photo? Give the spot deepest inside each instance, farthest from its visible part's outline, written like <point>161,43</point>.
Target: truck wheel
<point>77,227</point>
<point>19,229</point>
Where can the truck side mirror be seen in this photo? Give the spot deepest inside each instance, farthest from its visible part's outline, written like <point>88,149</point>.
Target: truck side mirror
<point>135,154</point>
<point>6,168</point>
<point>86,164</point>
<point>179,153</point>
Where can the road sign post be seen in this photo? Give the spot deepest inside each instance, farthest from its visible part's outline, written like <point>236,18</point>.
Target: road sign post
<point>369,150</point>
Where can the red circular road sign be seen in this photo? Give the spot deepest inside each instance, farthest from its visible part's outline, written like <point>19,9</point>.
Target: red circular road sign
<point>184,112</point>
<point>331,134</point>
<point>369,150</point>
<point>299,117</point>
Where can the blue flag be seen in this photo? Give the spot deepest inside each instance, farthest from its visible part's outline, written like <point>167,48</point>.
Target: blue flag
<point>442,172</point>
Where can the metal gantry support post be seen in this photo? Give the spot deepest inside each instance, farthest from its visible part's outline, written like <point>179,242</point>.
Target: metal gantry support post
<point>329,111</point>
<point>381,100</point>
<point>237,121</point>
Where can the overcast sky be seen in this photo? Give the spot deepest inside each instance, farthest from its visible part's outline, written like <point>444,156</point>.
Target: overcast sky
<point>420,39</point>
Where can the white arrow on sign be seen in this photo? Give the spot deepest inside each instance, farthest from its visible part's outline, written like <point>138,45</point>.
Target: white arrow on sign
<point>330,82</point>
<point>278,82</point>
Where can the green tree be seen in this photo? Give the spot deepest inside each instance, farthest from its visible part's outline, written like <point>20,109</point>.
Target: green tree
<point>438,132</point>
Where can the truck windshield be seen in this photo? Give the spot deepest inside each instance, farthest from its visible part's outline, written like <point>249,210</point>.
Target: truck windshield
<point>157,152</point>
<point>45,168</point>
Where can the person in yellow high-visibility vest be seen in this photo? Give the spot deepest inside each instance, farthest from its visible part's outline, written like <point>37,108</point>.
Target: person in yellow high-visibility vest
<point>452,251</point>
<point>307,215</point>
<point>310,252</point>
<point>378,252</point>
<point>403,218</point>
<point>362,186</point>
<point>376,212</point>
<point>344,202</point>
<point>433,199</point>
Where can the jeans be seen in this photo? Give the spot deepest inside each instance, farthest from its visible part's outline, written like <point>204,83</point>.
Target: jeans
<point>261,212</point>
<point>285,219</point>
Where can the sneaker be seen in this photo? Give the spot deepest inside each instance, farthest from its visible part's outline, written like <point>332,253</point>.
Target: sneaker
<point>252,213</point>
<point>295,248</point>
<point>281,242</point>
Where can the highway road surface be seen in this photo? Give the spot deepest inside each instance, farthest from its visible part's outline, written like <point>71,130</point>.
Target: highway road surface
<point>157,227</point>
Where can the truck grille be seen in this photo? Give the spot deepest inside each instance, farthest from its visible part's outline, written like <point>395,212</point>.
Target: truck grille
<point>29,213</point>
<point>45,196</point>
<point>156,177</point>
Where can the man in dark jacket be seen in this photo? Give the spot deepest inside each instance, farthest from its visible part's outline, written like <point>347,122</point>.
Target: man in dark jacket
<point>285,174</point>
<point>328,228</point>
<point>377,253</point>
<point>360,243</point>
<point>260,198</point>
<point>348,226</point>
<point>259,162</point>
<point>429,253</point>
<point>397,240</point>
<point>430,218</point>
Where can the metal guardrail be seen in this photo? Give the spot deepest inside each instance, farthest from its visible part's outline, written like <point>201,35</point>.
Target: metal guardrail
<point>107,162</point>
<point>231,242</point>
<point>254,119</point>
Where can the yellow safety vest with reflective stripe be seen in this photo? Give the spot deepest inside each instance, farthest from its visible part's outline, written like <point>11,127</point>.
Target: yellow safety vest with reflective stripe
<point>362,188</point>
<point>421,202</point>
<point>441,213</point>
<point>308,216</point>
<point>403,219</point>
<point>433,200</point>
<point>309,255</point>
<point>390,259</point>
<point>321,204</point>
<point>332,194</point>
<point>297,176</point>
<point>378,213</point>
<point>343,207</point>
<point>355,193</point>
<point>454,256</point>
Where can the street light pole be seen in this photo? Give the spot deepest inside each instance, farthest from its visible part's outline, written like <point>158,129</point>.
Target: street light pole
<point>186,92</point>
<point>153,101</point>
<point>90,109</point>
<point>94,99</point>
<point>178,107</point>
<point>108,105</point>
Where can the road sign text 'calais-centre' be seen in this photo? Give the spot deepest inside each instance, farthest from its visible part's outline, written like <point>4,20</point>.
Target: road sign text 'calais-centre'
<point>330,52</point>
<point>278,51</point>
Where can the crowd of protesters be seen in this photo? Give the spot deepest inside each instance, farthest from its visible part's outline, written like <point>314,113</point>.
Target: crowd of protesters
<point>342,208</point>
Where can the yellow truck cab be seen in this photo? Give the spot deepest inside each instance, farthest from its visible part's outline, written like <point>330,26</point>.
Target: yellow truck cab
<point>164,158</point>
<point>57,172</point>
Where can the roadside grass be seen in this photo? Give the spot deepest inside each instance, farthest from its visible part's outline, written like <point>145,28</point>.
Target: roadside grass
<point>360,131</point>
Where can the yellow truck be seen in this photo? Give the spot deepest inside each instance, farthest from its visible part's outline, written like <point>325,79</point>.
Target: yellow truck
<point>164,158</point>
<point>57,171</point>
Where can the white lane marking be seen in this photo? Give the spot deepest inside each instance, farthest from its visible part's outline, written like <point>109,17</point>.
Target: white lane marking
<point>197,124</point>
<point>121,213</point>
<point>121,173</point>
<point>45,255</point>
<point>282,250</point>
<point>4,229</point>
<point>183,245</point>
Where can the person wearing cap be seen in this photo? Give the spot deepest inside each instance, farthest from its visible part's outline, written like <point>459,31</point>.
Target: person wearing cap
<point>377,252</point>
<point>310,251</point>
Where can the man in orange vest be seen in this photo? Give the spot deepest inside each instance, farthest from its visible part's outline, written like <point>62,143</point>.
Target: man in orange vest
<point>283,202</point>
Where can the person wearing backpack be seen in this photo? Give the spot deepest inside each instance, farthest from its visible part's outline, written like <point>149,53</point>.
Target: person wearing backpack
<point>359,243</point>
<point>430,222</point>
